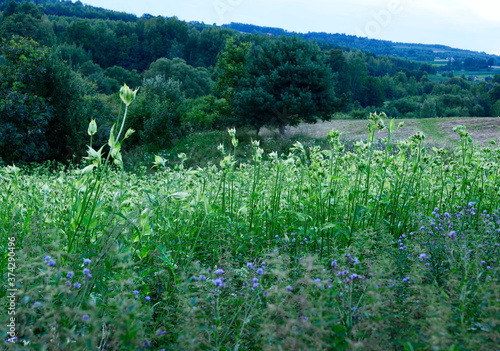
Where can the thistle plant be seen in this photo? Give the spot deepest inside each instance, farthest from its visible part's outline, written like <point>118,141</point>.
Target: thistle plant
<point>92,186</point>
<point>370,245</point>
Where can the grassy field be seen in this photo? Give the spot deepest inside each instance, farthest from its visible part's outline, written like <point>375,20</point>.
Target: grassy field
<point>201,148</point>
<point>438,131</point>
<point>347,246</point>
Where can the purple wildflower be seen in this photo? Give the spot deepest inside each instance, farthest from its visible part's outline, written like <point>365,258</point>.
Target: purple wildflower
<point>289,288</point>
<point>218,282</point>
<point>86,261</point>
<point>70,275</point>
<point>77,285</point>
<point>260,271</point>
<point>202,277</point>
<point>147,298</point>
<point>51,263</point>
<point>85,317</point>
<point>250,265</point>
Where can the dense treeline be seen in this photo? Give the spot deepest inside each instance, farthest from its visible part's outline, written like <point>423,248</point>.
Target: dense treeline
<point>194,77</point>
<point>76,9</point>
<point>420,52</point>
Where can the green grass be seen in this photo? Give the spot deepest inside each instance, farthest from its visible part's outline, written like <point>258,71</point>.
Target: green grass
<point>349,245</point>
<point>481,74</point>
<point>438,131</point>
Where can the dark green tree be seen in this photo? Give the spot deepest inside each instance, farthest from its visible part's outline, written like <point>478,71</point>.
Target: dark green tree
<point>26,20</point>
<point>358,73</point>
<point>230,69</point>
<point>288,83</point>
<point>495,109</point>
<point>336,60</point>
<point>154,114</point>
<point>195,82</point>
<point>45,108</point>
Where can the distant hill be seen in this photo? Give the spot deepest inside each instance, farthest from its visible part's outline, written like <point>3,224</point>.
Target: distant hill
<point>417,52</point>
<point>411,51</point>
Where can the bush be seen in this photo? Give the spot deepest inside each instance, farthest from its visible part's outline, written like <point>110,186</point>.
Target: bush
<point>201,114</point>
<point>155,115</point>
<point>358,114</point>
<point>495,109</point>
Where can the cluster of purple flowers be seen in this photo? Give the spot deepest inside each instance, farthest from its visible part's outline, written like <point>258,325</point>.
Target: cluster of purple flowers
<point>50,262</point>
<point>86,271</point>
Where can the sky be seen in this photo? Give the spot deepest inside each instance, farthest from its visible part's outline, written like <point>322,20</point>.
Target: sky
<point>464,24</point>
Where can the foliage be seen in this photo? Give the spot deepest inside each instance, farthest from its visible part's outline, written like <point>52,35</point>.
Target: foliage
<point>26,20</point>
<point>408,51</point>
<point>287,83</point>
<point>383,246</point>
<point>111,48</point>
<point>428,109</point>
<point>44,106</point>
<point>154,116</point>
<point>202,114</point>
<point>230,69</point>
<point>196,82</point>
<point>495,109</point>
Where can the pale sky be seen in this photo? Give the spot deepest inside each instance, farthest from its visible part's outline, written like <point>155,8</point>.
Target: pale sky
<point>464,24</point>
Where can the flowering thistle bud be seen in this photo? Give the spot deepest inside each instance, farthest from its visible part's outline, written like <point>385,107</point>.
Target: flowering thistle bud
<point>92,127</point>
<point>129,132</point>
<point>127,95</point>
<point>159,161</point>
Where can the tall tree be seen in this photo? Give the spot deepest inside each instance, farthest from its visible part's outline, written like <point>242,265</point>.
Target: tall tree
<point>230,69</point>
<point>287,83</point>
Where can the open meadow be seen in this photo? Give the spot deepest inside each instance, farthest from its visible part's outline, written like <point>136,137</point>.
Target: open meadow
<point>388,245</point>
<point>438,131</point>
